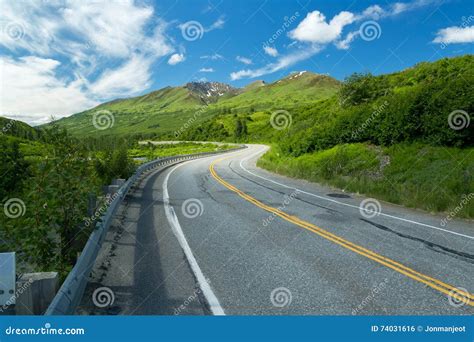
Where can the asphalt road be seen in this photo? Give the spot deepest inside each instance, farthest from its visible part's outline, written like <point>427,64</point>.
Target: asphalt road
<point>218,235</point>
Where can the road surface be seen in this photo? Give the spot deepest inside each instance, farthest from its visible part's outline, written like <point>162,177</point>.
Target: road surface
<point>218,236</point>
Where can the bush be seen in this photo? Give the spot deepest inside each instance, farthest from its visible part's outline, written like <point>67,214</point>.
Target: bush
<point>114,164</point>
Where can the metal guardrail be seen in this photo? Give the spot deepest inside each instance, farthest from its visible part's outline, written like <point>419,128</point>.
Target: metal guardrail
<point>70,294</point>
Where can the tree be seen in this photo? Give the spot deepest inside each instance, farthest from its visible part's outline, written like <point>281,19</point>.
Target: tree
<point>48,232</point>
<point>13,168</point>
<point>238,128</point>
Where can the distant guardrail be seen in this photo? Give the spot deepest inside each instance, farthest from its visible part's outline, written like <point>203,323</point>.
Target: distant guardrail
<point>70,294</point>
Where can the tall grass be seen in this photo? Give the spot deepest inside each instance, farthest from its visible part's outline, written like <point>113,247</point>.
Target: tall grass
<point>436,179</point>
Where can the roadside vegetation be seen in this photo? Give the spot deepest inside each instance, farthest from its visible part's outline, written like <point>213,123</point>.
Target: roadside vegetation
<point>47,178</point>
<point>435,179</point>
<point>148,150</point>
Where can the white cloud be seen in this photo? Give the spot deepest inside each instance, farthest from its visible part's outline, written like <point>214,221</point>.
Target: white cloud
<point>455,34</point>
<point>244,60</point>
<point>345,43</point>
<point>116,30</point>
<point>271,51</point>
<point>206,70</point>
<point>130,78</point>
<point>176,58</point>
<point>105,49</point>
<point>282,63</point>
<point>213,57</point>
<point>31,90</point>
<point>314,33</point>
<point>373,12</point>
<point>401,7</point>
<point>315,29</point>
<point>218,24</point>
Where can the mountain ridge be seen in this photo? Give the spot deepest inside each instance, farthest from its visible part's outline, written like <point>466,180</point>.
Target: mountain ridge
<point>163,110</point>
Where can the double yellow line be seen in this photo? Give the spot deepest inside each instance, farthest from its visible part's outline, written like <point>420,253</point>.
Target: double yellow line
<point>436,284</point>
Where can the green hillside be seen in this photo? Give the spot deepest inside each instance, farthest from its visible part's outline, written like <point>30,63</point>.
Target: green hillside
<point>18,129</point>
<point>163,112</point>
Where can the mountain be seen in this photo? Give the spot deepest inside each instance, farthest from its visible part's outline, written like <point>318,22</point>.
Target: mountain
<point>17,129</point>
<point>210,91</point>
<point>164,111</point>
<point>254,85</point>
<point>428,103</point>
<point>297,88</point>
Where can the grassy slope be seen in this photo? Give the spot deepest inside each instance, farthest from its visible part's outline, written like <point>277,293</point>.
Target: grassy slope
<point>164,111</point>
<point>25,135</point>
<point>418,176</point>
<point>292,90</point>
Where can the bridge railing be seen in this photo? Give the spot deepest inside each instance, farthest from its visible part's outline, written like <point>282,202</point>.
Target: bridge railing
<point>70,294</point>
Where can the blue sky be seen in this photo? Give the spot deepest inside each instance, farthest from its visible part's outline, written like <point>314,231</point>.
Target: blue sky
<point>59,57</point>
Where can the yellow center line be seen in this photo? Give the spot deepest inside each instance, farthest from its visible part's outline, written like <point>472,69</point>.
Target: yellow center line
<point>400,268</point>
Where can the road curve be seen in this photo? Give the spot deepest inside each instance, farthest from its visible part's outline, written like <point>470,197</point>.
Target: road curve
<point>218,236</point>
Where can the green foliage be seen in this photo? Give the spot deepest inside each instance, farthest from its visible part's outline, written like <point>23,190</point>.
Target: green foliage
<point>49,234</point>
<point>361,88</point>
<point>114,164</point>
<point>436,179</point>
<point>410,106</point>
<point>240,128</point>
<point>14,169</point>
<point>18,129</point>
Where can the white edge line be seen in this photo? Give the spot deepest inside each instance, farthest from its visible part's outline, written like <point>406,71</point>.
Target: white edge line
<point>211,298</point>
<point>342,203</point>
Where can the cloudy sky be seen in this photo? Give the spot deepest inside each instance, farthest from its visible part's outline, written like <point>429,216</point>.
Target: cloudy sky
<point>59,57</point>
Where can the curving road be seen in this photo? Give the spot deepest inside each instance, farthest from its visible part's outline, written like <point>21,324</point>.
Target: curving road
<point>218,235</point>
